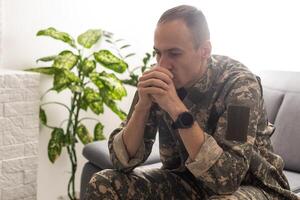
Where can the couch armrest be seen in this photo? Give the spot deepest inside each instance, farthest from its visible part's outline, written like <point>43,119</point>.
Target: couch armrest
<point>98,154</point>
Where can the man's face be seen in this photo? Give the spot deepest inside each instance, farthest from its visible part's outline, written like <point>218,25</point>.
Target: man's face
<point>176,51</point>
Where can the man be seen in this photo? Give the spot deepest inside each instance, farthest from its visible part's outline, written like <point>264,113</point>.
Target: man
<point>213,131</point>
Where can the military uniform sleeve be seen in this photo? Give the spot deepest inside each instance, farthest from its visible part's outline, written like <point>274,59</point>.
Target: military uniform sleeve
<point>118,152</point>
<point>224,158</point>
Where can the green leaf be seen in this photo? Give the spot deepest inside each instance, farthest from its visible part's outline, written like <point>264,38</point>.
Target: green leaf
<point>96,107</point>
<point>95,78</point>
<point>43,70</point>
<point>108,34</point>
<point>110,83</point>
<point>91,95</point>
<point>93,100</point>
<point>125,46</point>
<point>43,116</point>
<point>113,106</point>
<point>119,40</point>
<point>107,99</point>
<point>146,58</point>
<point>69,139</point>
<point>83,134</point>
<point>52,32</point>
<point>110,61</point>
<point>143,69</point>
<point>132,81</point>
<point>65,60</point>
<point>109,41</point>
<point>55,144</point>
<point>89,38</point>
<point>129,82</point>
<point>71,76</point>
<point>46,59</point>
<point>114,86</point>
<point>64,78</point>
<point>76,88</point>
<point>88,66</point>
<point>60,82</point>
<point>83,104</point>
<point>129,55</point>
<point>98,132</point>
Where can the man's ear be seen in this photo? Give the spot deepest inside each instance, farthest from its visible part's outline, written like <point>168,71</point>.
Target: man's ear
<point>205,49</point>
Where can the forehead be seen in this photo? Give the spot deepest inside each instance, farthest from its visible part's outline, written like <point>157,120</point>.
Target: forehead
<point>172,34</point>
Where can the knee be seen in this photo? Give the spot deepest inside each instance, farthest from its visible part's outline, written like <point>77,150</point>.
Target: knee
<point>101,186</point>
<point>102,178</point>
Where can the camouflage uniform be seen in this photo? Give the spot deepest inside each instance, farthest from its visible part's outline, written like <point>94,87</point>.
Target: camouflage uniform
<point>236,160</point>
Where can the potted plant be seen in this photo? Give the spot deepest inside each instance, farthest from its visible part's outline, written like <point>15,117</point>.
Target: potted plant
<point>82,72</point>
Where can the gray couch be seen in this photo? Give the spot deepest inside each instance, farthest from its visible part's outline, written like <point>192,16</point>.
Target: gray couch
<point>281,92</point>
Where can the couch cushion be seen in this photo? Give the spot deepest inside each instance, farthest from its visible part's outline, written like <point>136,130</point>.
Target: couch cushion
<point>98,154</point>
<point>294,180</point>
<point>286,138</point>
<point>273,99</point>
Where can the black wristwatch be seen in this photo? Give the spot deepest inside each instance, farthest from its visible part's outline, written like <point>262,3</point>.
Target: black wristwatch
<point>184,120</point>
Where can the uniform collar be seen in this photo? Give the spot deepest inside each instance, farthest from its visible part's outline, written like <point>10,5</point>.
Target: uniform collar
<point>204,82</point>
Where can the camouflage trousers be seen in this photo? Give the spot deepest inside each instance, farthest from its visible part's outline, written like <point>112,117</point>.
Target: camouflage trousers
<point>157,184</point>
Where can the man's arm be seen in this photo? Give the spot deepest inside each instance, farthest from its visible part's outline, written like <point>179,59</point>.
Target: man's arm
<point>119,154</point>
<point>134,131</point>
<point>192,137</point>
<point>151,82</point>
<point>132,144</point>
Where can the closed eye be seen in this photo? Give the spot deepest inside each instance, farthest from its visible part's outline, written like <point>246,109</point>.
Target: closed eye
<point>174,54</point>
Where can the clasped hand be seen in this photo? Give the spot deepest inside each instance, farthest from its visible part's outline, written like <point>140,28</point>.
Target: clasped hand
<point>156,85</point>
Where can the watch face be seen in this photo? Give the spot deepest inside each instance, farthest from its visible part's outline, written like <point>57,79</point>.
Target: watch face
<point>187,119</point>
<point>184,120</point>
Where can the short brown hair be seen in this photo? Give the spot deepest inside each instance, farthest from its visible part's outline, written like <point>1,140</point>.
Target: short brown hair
<point>193,18</point>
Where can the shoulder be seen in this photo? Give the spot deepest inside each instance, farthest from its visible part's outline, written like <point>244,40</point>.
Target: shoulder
<point>231,71</point>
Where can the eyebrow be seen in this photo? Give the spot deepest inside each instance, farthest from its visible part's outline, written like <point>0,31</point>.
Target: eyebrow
<point>171,49</point>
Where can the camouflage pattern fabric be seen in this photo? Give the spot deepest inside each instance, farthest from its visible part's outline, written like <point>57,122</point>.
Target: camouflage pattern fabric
<point>157,184</point>
<point>236,158</point>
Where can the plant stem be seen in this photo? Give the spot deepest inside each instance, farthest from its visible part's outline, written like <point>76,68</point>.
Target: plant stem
<point>75,105</point>
<point>70,149</point>
<point>76,122</point>
<point>58,103</point>
<point>70,180</point>
<point>88,118</point>
<point>44,94</point>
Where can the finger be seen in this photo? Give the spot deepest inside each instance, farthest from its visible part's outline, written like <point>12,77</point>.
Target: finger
<point>161,69</point>
<point>156,75</point>
<point>153,83</point>
<point>152,91</point>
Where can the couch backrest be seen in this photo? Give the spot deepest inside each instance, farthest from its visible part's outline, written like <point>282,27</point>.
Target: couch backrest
<point>281,92</point>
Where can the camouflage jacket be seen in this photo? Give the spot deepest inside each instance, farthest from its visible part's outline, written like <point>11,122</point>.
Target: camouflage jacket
<point>228,105</point>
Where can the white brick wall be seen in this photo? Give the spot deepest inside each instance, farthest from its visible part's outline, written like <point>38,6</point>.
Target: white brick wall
<point>19,129</point>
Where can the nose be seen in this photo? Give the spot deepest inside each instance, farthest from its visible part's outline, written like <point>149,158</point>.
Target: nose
<point>164,61</point>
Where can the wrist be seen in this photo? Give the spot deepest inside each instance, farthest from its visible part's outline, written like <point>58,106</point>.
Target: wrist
<point>177,110</point>
<point>142,107</point>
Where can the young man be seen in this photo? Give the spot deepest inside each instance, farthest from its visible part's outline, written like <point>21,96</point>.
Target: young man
<point>213,130</point>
